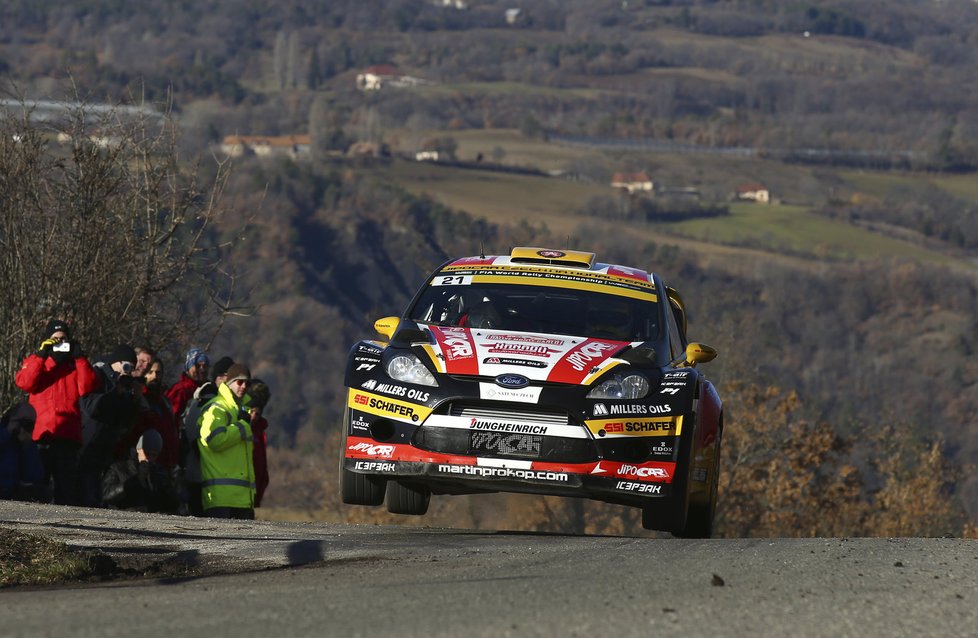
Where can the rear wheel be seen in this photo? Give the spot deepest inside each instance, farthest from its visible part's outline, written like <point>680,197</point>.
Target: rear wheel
<point>403,498</point>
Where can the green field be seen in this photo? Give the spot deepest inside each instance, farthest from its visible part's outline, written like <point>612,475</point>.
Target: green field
<point>514,198</point>
<point>880,184</point>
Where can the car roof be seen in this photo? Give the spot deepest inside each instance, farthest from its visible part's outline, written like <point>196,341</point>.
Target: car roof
<point>570,263</point>
<point>528,259</point>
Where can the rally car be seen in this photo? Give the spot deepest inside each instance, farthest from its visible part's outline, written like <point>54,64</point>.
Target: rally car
<point>542,371</point>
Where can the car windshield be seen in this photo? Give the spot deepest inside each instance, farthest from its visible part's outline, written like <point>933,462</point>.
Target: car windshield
<point>540,309</point>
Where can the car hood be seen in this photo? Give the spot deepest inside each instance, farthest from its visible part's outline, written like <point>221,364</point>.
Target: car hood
<point>538,357</point>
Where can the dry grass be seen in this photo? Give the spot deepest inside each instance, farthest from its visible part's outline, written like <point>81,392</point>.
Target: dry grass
<point>27,559</point>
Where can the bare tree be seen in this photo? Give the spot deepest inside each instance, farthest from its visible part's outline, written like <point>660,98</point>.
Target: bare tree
<point>280,58</point>
<point>101,224</point>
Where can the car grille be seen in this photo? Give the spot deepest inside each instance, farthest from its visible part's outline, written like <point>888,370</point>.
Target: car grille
<point>551,448</point>
<point>482,411</point>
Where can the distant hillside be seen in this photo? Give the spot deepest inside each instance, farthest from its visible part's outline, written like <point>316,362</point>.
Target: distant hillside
<point>877,83</point>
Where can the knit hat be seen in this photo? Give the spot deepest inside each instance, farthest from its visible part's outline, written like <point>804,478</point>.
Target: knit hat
<point>54,326</point>
<point>238,371</point>
<point>123,352</point>
<point>195,356</point>
<point>150,441</point>
<point>221,367</point>
<point>259,393</point>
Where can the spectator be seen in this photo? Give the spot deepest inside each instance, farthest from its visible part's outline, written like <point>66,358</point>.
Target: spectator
<point>140,482</point>
<point>226,444</point>
<point>260,394</point>
<point>190,432</point>
<point>21,468</point>
<point>193,376</point>
<point>155,413</point>
<point>56,376</point>
<point>144,357</point>
<point>108,416</point>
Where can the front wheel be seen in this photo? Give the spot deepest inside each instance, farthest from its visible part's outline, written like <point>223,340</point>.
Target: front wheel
<point>699,522</point>
<point>361,489</point>
<point>662,515</point>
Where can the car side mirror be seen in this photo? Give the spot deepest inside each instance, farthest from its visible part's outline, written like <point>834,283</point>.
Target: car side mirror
<point>387,326</point>
<point>699,353</point>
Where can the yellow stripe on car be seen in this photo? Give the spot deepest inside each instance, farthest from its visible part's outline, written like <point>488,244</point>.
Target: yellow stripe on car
<point>387,407</point>
<point>632,426</point>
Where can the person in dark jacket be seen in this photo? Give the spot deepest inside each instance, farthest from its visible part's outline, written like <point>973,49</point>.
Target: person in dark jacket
<point>155,413</point>
<point>56,377</point>
<point>260,394</point>
<point>21,468</point>
<point>108,415</point>
<point>140,483</point>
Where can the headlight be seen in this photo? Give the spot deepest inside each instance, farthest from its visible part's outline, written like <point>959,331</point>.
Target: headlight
<point>633,386</point>
<point>407,368</point>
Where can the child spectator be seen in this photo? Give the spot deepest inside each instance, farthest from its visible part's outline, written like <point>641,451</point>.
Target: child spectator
<point>140,483</point>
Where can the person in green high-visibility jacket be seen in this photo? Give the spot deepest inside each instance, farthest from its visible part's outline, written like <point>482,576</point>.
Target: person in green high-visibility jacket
<point>227,466</point>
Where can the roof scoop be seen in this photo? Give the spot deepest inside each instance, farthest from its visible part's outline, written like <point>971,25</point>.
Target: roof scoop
<point>572,258</point>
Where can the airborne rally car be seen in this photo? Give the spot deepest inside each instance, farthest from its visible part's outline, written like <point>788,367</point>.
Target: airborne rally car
<point>540,372</point>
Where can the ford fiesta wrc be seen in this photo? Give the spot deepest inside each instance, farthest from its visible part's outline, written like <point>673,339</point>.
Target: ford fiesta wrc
<point>543,372</point>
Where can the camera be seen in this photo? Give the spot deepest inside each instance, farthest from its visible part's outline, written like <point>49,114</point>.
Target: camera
<point>64,346</point>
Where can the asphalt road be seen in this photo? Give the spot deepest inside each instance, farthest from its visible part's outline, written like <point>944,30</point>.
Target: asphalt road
<point>331,580</point>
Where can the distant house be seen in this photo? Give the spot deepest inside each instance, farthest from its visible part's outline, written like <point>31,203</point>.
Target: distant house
<point>98,137</point>
<point>461,5</point>
<point>368,149</point>
<point>632,182</point>
<point>512,15</point>
<point>378,76</point>
<point>292,146</point>
<point>426,156</point>
<point>754,192</point>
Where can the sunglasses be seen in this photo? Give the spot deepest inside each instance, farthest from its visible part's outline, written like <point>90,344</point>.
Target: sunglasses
<point>245,382</point>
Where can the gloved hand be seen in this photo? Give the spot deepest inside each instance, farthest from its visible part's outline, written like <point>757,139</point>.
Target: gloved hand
<point>46,348</point>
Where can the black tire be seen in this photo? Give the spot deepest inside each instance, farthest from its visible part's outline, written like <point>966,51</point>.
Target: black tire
<point>661,515</point>
<point>699,521</point>
<point>407,499</point>
<point>361,489</point>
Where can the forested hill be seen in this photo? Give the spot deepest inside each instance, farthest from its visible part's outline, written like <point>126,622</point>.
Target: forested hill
<point>889,81</point>
<point>844,308</point>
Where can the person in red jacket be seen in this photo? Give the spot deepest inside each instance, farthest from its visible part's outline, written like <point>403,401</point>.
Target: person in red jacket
<point>260,394</point>
<point>194,375</point>
<point>55,377</point>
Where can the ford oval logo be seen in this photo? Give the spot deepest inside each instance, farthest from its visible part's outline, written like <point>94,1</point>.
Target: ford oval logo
<point>512,381</point>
